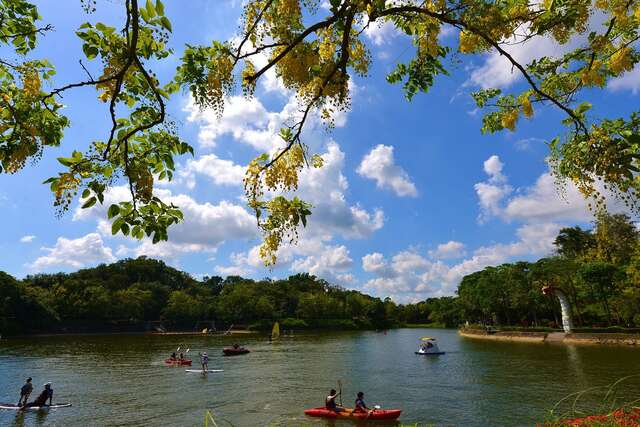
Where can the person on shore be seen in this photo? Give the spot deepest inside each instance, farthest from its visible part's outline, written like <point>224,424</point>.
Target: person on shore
<point>330,401</point>
<point>204,361</point>
<point>41,400</point>
<point>360,406</point>
<point>25,392</point>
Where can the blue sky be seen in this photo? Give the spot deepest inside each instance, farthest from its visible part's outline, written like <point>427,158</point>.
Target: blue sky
<point>412,197</point>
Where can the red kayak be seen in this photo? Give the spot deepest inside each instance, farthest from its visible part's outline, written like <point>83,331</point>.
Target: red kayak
<point>346,413</point>
<point>234,351</point>
<point>177,362</point>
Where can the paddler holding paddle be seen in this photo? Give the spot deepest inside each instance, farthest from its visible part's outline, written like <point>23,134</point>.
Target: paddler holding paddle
<point>330,401</point>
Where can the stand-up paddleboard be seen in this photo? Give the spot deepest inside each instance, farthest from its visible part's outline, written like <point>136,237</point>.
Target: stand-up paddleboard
<point>15,407</point>
<point>201,371</point>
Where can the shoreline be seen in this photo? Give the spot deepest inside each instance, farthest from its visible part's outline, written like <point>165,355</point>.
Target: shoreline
<point>554,337</point>
<point>145,333</point>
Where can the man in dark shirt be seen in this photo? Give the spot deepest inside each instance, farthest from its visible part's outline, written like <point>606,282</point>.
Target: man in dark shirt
<point>330,401</point>
<point>25,392</point>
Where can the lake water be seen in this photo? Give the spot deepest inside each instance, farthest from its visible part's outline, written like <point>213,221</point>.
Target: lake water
<point>121,380</point>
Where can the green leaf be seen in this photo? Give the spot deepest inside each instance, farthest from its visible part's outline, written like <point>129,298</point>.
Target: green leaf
<point>66,161</point>
<point>117,224</point>
<point>114,210</point>
<point>92,201</point>
<point>90,51</point>
<point>85,193</point>
<point>159,7</point>
<point>151,10</point>
<point>166,23</point>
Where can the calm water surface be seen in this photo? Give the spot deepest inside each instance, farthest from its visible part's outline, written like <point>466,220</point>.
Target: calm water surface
<point>121,380</point>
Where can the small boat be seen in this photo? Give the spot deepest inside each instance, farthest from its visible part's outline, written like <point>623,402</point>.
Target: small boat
<point>12,406</point>
<point>200,371</point>
<point>236,350</point>
<point>177,362</point>
<point>347,413</point>
<point>428,347</point>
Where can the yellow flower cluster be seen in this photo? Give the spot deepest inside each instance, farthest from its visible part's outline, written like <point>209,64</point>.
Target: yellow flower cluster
<point>621,61</point>
<point>31,83</point>
<point>220,80</point>
<point>592,76</point>
<point>283,174</point>
<point>525,103</point>
<point>509,119</point>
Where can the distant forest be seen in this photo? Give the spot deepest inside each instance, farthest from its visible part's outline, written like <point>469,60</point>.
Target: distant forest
<point>129,294</point>
<point>599,270</point>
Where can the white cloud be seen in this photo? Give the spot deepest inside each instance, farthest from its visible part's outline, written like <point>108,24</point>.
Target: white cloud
<point>246,119</point>
<point>493,191</point>
<point>249,122</point>
<point>629,81</point>
<point>409,276</point>
<point>27,239</point>
<point>332,263</point>
<point>74,253</point>
<point>325,189</point>
<point>221,172</point>
<point>379,165</point>
<point>205,227</point>
<point>544,202</point>
<point>449,250</point>
<point>381,33</point>
<point>497,71</point>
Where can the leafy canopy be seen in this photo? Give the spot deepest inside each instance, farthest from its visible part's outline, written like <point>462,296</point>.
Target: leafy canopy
<point>315,51</point>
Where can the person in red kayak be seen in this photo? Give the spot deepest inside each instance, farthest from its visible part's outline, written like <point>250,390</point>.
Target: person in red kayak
<point>330,401</point>
<point>47,394</point>
<point>360,406</point>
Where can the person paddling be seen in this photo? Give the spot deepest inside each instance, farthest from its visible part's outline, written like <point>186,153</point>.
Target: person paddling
<point>330,401</point>
<point>25,392</point>
<point>360,406</point>
<point>173,356</point>
<point>47,394</point>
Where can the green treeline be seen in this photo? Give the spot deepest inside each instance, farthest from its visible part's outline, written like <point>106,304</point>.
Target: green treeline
<point>132,292</point>
<point>598,269</point>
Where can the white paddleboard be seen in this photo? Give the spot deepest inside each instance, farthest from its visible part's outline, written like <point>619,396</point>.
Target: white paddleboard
<point>33,408</point>
<point>201,371</point>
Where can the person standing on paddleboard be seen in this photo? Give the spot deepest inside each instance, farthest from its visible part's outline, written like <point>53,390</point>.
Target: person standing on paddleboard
<point>25,392</point>
<point>204,360</point>
<point>47,394</point>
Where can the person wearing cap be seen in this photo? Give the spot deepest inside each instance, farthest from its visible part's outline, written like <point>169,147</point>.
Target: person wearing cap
<point>25,392</point>
<point>47,394</point>
<point>204,360</point>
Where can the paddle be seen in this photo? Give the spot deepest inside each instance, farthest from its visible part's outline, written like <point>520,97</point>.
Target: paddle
<point>340,389</point>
